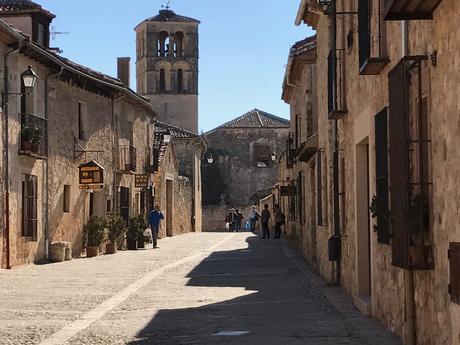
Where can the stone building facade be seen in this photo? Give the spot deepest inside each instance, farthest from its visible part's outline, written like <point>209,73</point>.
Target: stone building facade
<point>167,67</point>
<point>242,170</point>
<point>72,117</point>
<point>384,225</point>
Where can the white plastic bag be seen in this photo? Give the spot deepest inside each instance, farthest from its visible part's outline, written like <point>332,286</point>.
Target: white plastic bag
<point>148,232</point>
<point>227,225</point>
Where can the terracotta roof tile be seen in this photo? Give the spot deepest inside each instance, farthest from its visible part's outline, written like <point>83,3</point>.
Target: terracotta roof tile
<point>176,132</point>
<point>257,119</point>
<point>11,6</point>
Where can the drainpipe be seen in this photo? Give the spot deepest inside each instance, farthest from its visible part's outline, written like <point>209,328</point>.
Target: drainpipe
<point>6,155</point>
<point>411,315</point>
<point>55,75</point>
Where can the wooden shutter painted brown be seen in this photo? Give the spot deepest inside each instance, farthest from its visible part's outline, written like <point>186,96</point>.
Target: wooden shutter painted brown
<point>319,188</point>
<point>399,165</point>
<point>454,259</point>
<point>30,204</point>
<point>381,162</point>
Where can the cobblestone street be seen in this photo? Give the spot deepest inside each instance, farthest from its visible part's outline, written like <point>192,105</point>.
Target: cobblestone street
<point>211,288</point>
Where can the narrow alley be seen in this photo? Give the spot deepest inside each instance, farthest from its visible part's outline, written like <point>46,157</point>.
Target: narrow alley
<point>209,288</point>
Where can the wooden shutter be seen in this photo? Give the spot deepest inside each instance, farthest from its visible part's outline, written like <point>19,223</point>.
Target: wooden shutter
<point>454,259</point>
<point>399,164</point>
<point>319,188</point>
<point>381,162</point>
<point>29,203</point>
<point>364,32</point>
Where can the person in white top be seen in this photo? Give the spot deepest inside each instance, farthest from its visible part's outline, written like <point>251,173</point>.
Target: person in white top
<point>254,215</point>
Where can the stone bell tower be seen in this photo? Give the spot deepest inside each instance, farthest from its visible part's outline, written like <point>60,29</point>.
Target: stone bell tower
<point>167,67</point>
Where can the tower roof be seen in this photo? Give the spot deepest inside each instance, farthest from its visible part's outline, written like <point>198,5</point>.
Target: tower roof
<point>8,7</point>
<point>256,119</point>
<point>170,16</point>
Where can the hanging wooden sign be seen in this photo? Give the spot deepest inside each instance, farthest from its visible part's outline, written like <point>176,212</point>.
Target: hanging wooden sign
<point>91,173</point>
<point>141,181</point>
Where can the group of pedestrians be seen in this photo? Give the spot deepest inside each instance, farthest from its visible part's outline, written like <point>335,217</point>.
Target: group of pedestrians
<point>234,220</point>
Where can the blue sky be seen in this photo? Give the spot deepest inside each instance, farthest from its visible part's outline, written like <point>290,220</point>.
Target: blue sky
<point>244,46</point>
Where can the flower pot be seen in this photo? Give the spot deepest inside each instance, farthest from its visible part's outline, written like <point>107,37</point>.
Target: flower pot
<point>25,145</point>
<point>92,251</point>
<point>111,248</point>
<point>57,252</point>
<point>132,244</point>
<point>34,148</point>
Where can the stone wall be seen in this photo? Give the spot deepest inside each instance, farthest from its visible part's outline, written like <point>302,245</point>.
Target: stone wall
<point>183,206</point>
<point>388,297</point>
<point>234,178</point>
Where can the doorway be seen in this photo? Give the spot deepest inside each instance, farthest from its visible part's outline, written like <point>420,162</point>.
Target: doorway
<point>169,208</point>
<point>363,227</point>
<point>124,203</point>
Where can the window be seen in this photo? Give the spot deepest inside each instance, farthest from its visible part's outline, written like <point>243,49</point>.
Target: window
<point>410,164</point>
<point>41,34</point>
<point>82,121</point>
<point>66,199</point>
<point>163,44</point>
<point>162,80</point>
<point>262,156</point>
<point>178,44</point>
<point>298,131</point>
<point>180,80</point>
<point>454,259</point>
<point>321,189</point>
<point>29,207</point>
<point>91,204</point>
<point>371,55</point>
<point>380,206</point>
<point>336,85</point>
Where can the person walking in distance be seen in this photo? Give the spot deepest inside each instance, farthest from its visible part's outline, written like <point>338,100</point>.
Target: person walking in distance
<point>280,219</point>
<point>254,215</point>
<point>264,220</point>
<point>155,217</point>
<point>238,220</point>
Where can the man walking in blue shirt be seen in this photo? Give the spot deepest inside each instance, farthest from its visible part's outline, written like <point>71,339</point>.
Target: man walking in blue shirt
<point>155,218</point>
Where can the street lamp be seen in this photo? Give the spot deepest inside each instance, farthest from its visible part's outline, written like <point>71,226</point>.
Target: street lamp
<point>273,157</point>
<point>210,159</point>
<point>29,78</point>
<point>167,137</point>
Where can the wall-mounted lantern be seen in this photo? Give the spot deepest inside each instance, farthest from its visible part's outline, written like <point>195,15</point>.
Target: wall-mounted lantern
<point>210,159</point>
<point>29,78</point>
<point>273,157</point>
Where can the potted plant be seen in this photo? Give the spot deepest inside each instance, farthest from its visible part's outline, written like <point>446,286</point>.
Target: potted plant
<point>31,137</point>
<point>134,232</point>
<point>381,213</point>
<point>94,234</point>
<point>116,232</point>
<point>142,226</point>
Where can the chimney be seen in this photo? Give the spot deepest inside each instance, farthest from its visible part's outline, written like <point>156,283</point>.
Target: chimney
<point>123,70</point>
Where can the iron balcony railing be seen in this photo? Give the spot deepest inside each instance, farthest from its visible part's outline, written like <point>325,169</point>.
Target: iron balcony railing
<point>151,160</point>
<point>34,136</point>
<point>127,160</point>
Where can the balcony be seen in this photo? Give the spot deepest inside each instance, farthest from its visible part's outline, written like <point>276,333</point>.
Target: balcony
<point>335,86</point>
<point>127,159</point>
<point>308,149</point>
<point>368,64</point>
<point>151,160</point>
<point>410,9</point>
<point>34,136</point>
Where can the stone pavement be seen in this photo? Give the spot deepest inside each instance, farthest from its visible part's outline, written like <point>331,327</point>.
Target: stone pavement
<point>211,288</point>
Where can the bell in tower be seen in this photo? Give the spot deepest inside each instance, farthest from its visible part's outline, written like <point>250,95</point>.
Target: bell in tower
<point>167,67</point>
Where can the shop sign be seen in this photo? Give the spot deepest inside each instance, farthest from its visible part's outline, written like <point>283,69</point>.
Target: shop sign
<point>142,181</point>
<point>91,173</point>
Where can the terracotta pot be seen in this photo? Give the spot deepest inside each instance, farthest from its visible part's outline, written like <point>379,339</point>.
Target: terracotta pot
<point>34,148</point>
<point>25,145</point>
<point>132,244</point>
<point>92,251</point>
<point>111,248</point>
